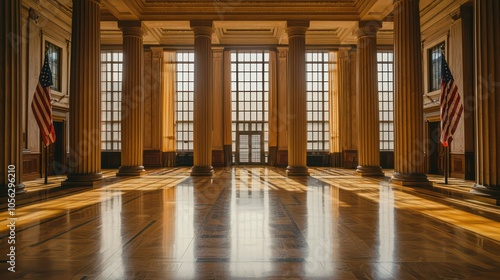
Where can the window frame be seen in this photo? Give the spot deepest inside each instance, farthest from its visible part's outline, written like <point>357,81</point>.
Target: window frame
<point>246,84</point>
<point>385,99</point>
<point>434,67</point>
<point>319,107</point>
<point>184,138</point>
<point>115,94</point>
<point>62,44</point>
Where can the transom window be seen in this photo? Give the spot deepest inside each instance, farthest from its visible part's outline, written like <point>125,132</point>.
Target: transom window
<point>386,99</point>
<point>250,105</point>
<point>317,101</point>
<point>54,58</point>
<point>111,101</point>
<point>185,100</point>
<point>435,57</point>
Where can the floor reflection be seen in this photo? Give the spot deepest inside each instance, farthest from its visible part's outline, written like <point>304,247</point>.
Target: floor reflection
<point>251,222</point>
<point>386,230</point>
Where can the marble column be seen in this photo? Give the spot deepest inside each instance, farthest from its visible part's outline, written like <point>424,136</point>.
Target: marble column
<point>132,115</point>
<point>11,164</point>
<point>202,98</point>
<point>296,99</point>
<point>409,145</point>
<point>487,62</point>
<point>85,96</point>
<point>367,100</point>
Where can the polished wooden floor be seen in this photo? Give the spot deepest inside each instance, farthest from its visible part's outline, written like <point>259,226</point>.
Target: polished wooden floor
<point>250,222</point>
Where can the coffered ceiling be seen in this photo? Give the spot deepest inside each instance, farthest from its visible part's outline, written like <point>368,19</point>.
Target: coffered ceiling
<point>254,22</point>
<point>239,22</point>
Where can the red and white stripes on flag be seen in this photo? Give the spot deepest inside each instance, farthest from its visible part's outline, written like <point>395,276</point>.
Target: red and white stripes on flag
<point>41,105</point>
<point>451,104</point>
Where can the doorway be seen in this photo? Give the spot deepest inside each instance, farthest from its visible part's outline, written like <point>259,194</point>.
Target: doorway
<point>57,151</point>
<point>435,151</point>
<point>250,106</point>
<point>250,148</point>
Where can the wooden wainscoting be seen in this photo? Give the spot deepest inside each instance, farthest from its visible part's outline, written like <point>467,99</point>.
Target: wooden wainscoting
<point>111,160</point>
<point>31,166</point>
<point>282,158</point>
<point>336,159</point>
<point>457,169</point>
<point>387,159</point>
<point>152,158</point>
<point>217,158</point>
<point>350,159</point>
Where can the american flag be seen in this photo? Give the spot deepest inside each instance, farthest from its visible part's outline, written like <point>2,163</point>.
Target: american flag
<point>451,104</point>
<point>41,106</point>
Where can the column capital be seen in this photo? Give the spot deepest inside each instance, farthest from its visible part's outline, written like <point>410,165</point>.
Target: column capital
<point>217,52</point>
<point>297,27</point>
<point>157,52</point>
<point>131,28</point>
<point>343,52</point>
<point>368,28</point>
<point>202,27</point>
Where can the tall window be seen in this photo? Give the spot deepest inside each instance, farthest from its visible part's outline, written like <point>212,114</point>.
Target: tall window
<point>317,101</point>
<point>250,104</point>
<point>435,57</point>
<point>386,99</point>
<point>185,100</point>
<point>54,58</point>
<point>111,90</point>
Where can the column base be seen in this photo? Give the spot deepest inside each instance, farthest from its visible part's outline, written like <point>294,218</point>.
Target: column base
<point>292,171</point>
<point>83,180</point>
<point>412,179</point>
<point>131,171</point>
<point>20,188</point>
<point>489,192</point>
<point>369,171</point>
<point>202,171</point>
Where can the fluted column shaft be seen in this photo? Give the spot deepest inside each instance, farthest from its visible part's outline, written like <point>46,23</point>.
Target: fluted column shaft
<point>296,99</point>
<point>409,144</point>
<point>202,98</point>
<point>487,28</point>
<point>85,95</point>
<point>132,115</point>
<point>10,97</point>
<point>367,100</point>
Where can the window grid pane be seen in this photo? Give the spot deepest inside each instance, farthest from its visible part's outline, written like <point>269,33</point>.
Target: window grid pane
<point>385,62</point>
<point>435,57</point>
<point>250,95</point>
<point>317,101</point>
<point>54,58</point>
<point>184,100</point>
<point>111,96</point>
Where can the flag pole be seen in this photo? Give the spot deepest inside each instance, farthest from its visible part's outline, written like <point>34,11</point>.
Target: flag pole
<point>46,164</point>
<point>446,159</point>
